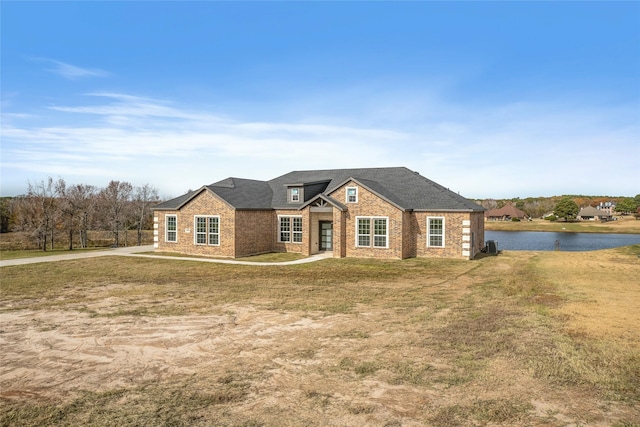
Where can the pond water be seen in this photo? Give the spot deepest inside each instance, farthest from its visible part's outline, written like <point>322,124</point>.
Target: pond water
<point>549,241</point>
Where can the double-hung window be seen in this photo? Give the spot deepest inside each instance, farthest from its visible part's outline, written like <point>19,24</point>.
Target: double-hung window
<point>171,228</point>
<point>372,232</point>
<point>290,229</point>
<point>207,230</point>
<point>295,195</point>
<point>352,194</point>
<point>435,227</point>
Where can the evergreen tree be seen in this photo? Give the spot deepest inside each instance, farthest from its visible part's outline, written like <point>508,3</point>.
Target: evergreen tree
<point>566,208</point>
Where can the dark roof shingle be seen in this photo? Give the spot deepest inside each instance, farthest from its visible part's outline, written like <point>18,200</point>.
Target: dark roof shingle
<point>400,186</point>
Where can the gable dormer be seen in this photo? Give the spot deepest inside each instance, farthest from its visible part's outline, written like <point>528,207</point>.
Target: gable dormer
<point>299,193</point>
<point>295,194</point>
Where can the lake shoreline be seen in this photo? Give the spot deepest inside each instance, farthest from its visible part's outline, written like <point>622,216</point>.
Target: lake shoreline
<point>624,225</point>
<point>553,240</point>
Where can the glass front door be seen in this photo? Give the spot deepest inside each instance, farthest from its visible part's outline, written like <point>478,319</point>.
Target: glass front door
<point>326,235</point>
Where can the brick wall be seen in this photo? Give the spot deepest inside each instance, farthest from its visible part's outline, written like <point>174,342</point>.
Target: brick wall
<point>244,233</point>
<point>369,204</point>
<point>254,232</point>
<point>299,248</point>
<point>464,234</point>
<point>206,203</point>
<point>339,234</point>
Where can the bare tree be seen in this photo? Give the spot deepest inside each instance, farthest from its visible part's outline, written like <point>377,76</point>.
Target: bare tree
<point>43,205</point>
<point>145,197</point>
<point>115,201</point>
<point>86,198</point>
<point>77,202</point>
<point>6,214</point>
<point>28,213</point>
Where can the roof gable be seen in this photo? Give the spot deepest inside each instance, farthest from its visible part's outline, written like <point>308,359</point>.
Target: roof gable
<point>328,199</point>
<point>399,186</point>
<point>506,210</point>
<point>244,193</point>
<point>591,211</point>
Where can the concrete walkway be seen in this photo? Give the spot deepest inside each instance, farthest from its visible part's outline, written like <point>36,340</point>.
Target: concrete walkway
<point>134,251</point>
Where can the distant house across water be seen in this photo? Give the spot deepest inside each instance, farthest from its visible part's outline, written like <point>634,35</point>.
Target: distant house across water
<point>505,213</point>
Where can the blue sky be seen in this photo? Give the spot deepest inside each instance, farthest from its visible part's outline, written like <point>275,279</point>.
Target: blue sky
<point>491,99</point>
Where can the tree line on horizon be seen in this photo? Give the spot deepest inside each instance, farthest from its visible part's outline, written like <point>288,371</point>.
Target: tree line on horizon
<point>538,207</point>
<point>51,210</point>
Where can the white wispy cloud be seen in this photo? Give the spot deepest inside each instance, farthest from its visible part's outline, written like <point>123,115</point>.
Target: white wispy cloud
<point>69,71</point>
<point>183,148</point>
<point>495,151</point>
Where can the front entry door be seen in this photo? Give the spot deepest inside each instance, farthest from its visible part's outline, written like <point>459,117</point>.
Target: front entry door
<point>326,235</point>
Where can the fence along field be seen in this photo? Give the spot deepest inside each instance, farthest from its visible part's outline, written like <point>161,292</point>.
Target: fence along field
<point>524,338</point>
<point>23,241</point>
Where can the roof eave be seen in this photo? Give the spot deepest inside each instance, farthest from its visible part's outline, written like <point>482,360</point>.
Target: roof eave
<point>327,199</point>
<point>403,209</point>
<point>448,210</point>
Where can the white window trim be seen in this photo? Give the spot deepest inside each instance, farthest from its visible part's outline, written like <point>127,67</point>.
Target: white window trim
<point>166,228</point>
<point>373,235</point>
<point>291,232</point>
<point>206,233</point>
<point>300,194</point>
<point>444,231</point>
<point>347,195</point>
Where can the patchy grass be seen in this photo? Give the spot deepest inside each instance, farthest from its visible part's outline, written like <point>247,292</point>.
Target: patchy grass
<point>178,404</point>
<point>270,257</point>
<point>524,338</point>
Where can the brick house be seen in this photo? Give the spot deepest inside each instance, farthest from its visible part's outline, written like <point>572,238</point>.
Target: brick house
<point>374,212</point>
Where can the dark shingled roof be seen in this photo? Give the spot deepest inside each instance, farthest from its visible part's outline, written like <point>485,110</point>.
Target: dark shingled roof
<point>591,211</point>
<point>400,186</point>
<point>506,210</point>
<point>244,193</point>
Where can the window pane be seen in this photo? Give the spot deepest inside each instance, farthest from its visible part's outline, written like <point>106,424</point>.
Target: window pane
<point>172,228</point>
<point>436,232</point>
<point>171,223</point>
<point>364,232</point>
<point>380,226</point>
<point>297,230</point>
<point>285,228</point>
<point>214,230</point>
<point>213,239</point>
<point>352,194</point>
<point>201,225</point>
<point>380,232</point>
<point>364,226</point>
<point>213,225</point>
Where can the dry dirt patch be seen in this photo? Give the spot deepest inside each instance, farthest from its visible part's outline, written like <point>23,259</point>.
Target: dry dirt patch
<point>424,343</point>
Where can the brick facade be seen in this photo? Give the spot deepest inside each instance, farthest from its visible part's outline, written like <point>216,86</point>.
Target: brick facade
<point>204,204</point>
<point>250,232</point>
<point>370,205</point>
<point>254,232</point>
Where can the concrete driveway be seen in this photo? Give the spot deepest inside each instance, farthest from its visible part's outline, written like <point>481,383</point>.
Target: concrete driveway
<point>135,251</point>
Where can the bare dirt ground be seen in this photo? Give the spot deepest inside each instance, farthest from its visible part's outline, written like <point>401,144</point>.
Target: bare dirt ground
<point>448,356</point>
